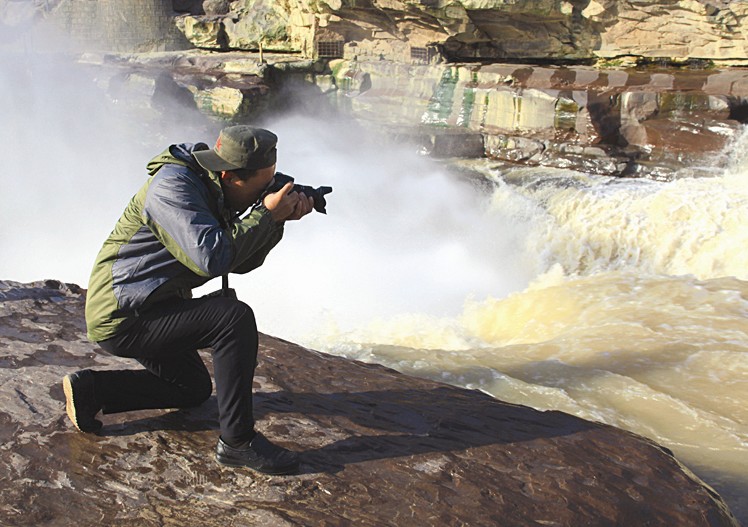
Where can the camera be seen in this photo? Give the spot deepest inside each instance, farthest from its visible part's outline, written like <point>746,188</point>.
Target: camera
<point>318,194</point>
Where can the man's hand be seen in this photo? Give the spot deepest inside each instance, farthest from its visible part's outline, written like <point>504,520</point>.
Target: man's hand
<point>285,205</point>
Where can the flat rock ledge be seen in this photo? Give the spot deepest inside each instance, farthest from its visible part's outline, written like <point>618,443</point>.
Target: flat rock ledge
<point>378,448</point>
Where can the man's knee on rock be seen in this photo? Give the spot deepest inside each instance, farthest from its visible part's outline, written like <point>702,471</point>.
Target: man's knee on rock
<point>198,393</point>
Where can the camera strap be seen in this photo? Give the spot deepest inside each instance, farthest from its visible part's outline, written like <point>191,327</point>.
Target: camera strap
<point>225,290</point>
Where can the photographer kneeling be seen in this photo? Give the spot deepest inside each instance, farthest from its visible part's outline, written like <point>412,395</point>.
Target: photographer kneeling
<point>181,229</point>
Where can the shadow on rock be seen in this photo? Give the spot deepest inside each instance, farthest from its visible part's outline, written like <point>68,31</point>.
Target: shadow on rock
<point>398,423</point>
<point>381,424</point>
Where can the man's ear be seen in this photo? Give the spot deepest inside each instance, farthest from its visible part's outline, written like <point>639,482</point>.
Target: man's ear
<point>227,176</point>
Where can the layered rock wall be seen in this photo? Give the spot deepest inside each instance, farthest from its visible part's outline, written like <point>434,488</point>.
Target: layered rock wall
<point>435,66</point>
<point>608,121</point>
<point>419,31</point>
<point>495,30</point>
<point>634,122</point>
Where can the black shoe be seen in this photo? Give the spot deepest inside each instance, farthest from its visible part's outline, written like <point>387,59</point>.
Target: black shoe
<point>262,456</point>
<point>80,402</point>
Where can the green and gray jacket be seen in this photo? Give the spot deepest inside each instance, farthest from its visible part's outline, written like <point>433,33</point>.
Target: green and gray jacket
<point>175,235</point>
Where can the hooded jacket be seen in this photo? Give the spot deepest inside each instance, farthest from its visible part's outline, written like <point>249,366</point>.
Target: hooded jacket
<point>175,234</point>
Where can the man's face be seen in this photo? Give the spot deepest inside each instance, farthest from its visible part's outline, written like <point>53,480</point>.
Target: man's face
<point>242,193</point>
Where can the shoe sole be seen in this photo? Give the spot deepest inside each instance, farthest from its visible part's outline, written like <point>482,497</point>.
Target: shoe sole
<point>288,471</point>
<point>67,387</point>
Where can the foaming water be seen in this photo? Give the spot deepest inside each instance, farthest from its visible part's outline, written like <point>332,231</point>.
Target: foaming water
<point>637,317</point>
<point>592,224</point>
<point>665,357</point>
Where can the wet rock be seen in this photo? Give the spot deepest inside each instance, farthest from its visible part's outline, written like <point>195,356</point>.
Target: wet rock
<point>438,143</point>
<point>378,447</point>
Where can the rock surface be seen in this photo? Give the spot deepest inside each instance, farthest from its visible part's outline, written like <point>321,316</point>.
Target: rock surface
<point>411,30</point>
<point>378,448</point>
<point>515,75</point>
<point>631,122</point>
<point>544,30</point>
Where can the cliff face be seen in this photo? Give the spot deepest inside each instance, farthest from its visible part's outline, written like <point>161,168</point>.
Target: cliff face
<point>377,447</point>
<point>566,100</point>
<point>495,30</point>
<point>655,123</point>
<point>612,122</point>
<point>605,121</point>
<point>413,30</point>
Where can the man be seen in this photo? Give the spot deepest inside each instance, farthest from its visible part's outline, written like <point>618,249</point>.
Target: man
<point>180,230</point>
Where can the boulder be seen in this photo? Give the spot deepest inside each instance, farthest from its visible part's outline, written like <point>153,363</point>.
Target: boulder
<point>261,23</point>
<point>232,104</point>
<point>377,447</point>
<point>203,31</point>
<point>250,25</point>
<point>216,7</point>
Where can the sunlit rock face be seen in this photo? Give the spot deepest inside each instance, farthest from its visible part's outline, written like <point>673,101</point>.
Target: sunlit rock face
<point>410,30</point>
<point>441,69</point>
<point>632,122</point>
<point>377,447</point>
<point>693,28</point>
<point>497,30</point>
<point>604,121</point>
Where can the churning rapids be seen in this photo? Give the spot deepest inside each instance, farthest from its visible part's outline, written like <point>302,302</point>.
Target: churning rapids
<point>621,301</point>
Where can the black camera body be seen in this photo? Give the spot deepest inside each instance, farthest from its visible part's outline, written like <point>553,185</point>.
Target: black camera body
<point>318,194</point>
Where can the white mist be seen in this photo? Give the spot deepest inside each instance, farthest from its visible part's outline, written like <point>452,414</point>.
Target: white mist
<point>401,236</point>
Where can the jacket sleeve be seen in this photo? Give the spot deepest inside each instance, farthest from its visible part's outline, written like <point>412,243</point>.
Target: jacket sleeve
<point>178,211</point>
<point>256,258</point>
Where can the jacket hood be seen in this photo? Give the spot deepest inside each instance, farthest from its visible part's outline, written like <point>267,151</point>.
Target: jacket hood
<point>180,154</point>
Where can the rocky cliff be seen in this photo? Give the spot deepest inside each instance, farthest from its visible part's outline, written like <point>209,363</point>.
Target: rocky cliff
<point>413,30</point>
<point>460,30</point>
<point>618,122</point>
<point>616,87</point>
<point>378,448</point>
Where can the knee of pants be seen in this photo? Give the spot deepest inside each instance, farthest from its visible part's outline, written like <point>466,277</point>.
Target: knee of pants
<point>240,317</point>
<point>199,392</point>
<point>240,312</point>
<point>230,311</point>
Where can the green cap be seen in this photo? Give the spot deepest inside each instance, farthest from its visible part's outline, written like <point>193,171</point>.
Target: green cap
<point>238,148</point>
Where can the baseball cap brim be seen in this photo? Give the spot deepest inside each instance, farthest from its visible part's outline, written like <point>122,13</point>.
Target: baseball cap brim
<point>209,160</point>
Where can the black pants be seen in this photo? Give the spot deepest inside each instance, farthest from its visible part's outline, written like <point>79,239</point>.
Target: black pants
<point>165,341</point>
